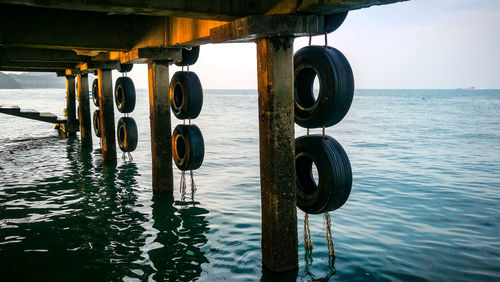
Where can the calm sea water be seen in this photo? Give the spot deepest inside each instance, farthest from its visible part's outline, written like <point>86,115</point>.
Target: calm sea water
<point>425,202</point>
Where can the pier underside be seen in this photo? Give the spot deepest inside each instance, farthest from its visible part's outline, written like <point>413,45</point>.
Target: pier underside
<point>73,38</point>
<point>82,35</point>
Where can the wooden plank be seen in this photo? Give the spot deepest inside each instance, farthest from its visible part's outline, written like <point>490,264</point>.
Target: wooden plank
<point>11,110</point>
<point>277,153</point>
<point>84,110</point>
<point>253,27</point>
<point>48,117</point>
<point>30,114</point>
<point>161,138</point>
<point>107,116</point>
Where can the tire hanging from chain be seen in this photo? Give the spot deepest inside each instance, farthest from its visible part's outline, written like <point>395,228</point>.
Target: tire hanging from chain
<point>319,110</point>
<point>186,101</point>
<point>125,97</point>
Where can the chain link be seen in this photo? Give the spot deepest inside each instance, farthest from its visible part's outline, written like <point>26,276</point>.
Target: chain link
<point>308,245</point>
<point>193,185</point>
<point>182,187</point>
<point>127,157</point>
<point>328,234</point>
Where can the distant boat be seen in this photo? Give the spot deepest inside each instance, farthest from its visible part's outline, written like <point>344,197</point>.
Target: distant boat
<point>469,88</point>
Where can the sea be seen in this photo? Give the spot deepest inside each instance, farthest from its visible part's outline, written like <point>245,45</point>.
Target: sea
<point>424,206</point>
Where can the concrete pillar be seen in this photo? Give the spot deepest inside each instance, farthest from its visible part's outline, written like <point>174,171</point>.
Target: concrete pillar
<point>84,114</point>
<point>107,116</point>
<point>159,117</point>
<point>72,124</point>
<point>277,153</point>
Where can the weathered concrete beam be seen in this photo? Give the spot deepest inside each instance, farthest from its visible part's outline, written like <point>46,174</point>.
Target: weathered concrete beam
<point>72,124</point>
<point>23,64</point>
<point>32,69</point>
<point>95,65</point>
<point>84,110</point>
<point>254,27</point>
<point>67,59</point>
<point>145,55</point>
<point>202,9</point>
<point>74,72</point>
<point>186,32</point>
<point>107,116</point>
<point>277,153</point>
<point>19,54</point>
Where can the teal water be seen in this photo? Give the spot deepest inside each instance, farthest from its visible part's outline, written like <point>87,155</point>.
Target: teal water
<point>425,202</point>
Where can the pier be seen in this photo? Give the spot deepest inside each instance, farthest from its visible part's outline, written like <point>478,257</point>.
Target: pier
<point>75,38</point>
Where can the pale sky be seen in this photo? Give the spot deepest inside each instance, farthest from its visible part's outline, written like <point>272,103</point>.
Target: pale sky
<point>418,44</point>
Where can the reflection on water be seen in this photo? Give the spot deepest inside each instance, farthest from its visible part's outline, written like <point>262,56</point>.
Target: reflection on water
<point>307,272</point>
<point>181,234</point>
<point>87,224</point>
<point>424,203</point>
<point>269,276</point>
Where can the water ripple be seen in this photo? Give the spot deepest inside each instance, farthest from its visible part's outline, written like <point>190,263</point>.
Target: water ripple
<point>424,204</point>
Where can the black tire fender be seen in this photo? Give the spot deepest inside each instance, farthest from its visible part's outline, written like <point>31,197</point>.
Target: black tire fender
<point>124,67</point>
<point>336,86</point>
<point>96,123</point>
<point>125,94</point>
<point>126,133</point>
<point>334,170</point>
<point>95,92</point>
<point>186,95</point>
<point>334,21</point>
<point>189,56</point>
<point>188,147</point>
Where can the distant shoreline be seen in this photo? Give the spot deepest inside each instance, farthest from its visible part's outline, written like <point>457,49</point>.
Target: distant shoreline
<point>49,80</point>
<point>31,81</point>
<point>359,89</point>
